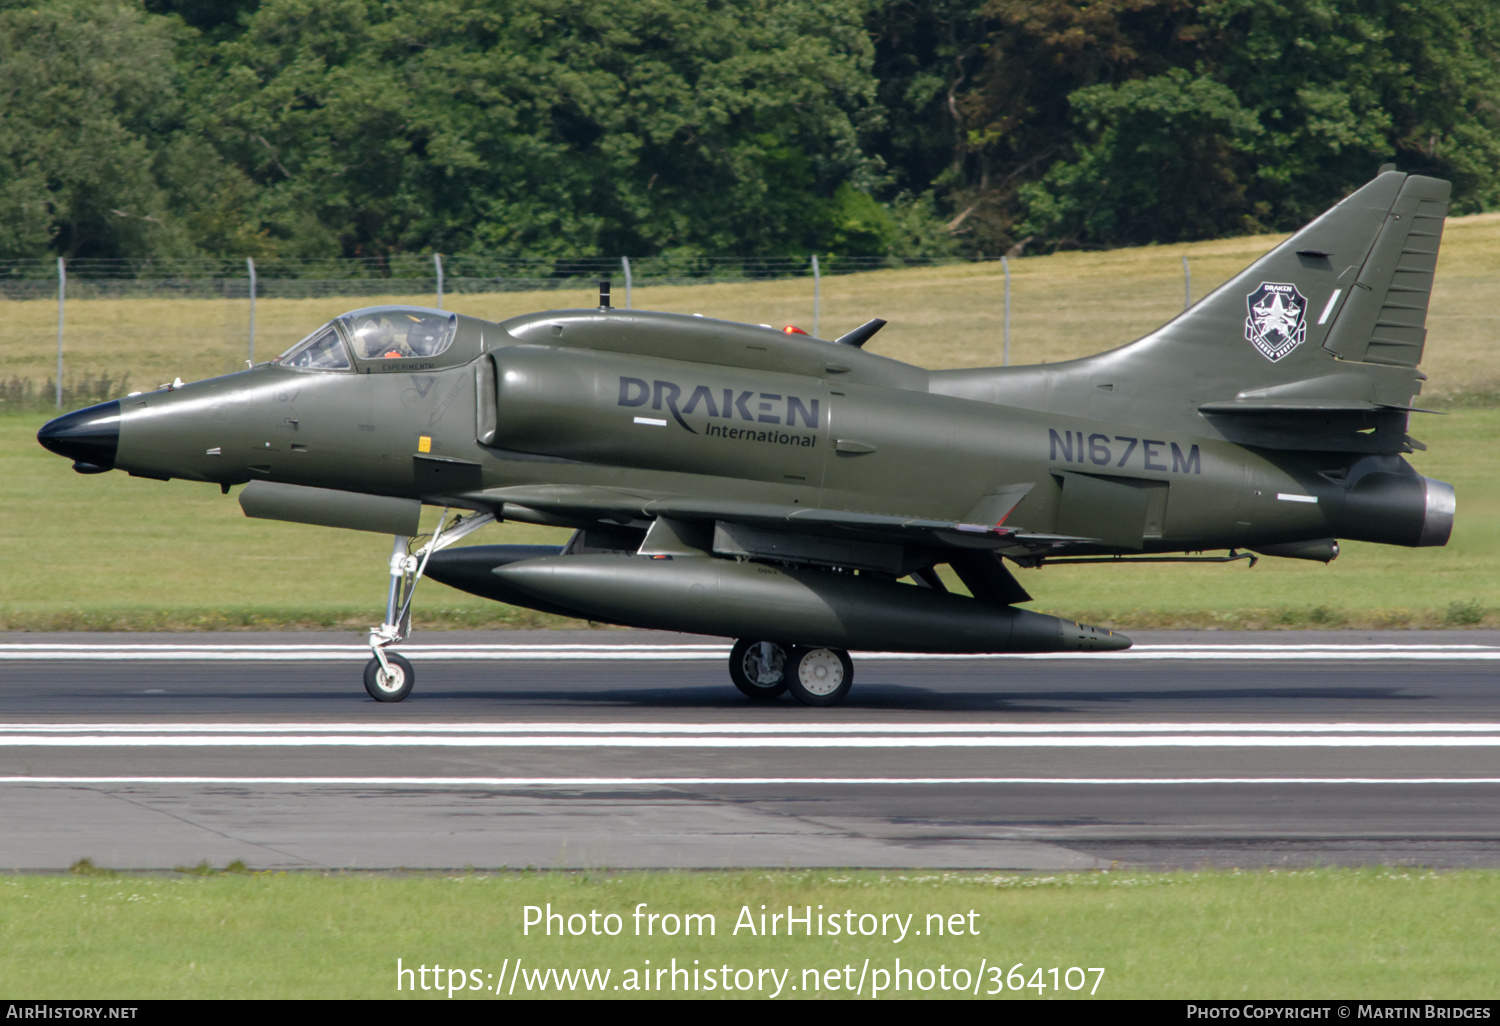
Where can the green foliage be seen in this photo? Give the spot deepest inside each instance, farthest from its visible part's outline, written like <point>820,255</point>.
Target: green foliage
<point>548,127</point>
<point>1012,95</point>
<point>203,868</point>
<point>96,159</point>
<point>360,128</point>
<point>82,82</point>
<point>1467,613</point>
<point>1161,166</point>
<point>924,51</point>
<point>86,867</point>
<point>1276,108</point>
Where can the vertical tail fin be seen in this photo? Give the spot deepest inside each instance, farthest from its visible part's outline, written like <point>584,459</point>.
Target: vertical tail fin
<point>1383,320</point>
<point>1336,312</point>
<point>1310,347</point>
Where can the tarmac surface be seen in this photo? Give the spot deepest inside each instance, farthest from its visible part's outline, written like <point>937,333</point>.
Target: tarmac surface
<point>626,749</point>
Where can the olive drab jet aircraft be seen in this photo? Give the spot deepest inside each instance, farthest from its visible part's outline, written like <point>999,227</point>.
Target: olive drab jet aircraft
<point>798,494</point>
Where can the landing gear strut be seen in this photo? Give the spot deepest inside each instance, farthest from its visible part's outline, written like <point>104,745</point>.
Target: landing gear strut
<point>763,670</point>
<point>388,676</point>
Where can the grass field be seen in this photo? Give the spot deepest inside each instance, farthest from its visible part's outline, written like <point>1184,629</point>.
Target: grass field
<point>115,552</point>
<point>1302,934</point>
<point>1064,306</point>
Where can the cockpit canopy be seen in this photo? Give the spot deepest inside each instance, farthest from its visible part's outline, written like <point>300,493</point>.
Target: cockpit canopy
<point>376,333</point>
<point>322,350</point>
<point>399,332</point>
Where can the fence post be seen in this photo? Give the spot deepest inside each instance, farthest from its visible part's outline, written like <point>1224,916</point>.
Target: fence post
<point>1005,266</point>
<point>437,261</point>
<point>250,263</point>
<point>62,291</point>
<point>817,295</point>
<point>1187,284</point>
<point>625,263</point>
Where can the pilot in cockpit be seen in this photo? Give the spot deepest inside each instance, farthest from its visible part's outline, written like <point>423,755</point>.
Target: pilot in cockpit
<point>377,337</point>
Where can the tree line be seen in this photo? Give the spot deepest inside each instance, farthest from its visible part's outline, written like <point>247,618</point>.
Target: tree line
<point>306,129</point>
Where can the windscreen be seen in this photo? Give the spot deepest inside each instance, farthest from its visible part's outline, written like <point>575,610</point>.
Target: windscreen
<point>322,350</point>
<point>395,332</point>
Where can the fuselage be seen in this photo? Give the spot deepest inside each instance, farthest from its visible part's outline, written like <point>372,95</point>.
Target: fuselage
<point>731,479</point>
<point>657,405</point>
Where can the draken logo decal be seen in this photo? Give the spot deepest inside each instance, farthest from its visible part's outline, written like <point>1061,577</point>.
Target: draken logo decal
<point>1277,323</point>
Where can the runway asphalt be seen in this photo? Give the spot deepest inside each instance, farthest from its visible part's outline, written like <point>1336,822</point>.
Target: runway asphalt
<point>622,749</point>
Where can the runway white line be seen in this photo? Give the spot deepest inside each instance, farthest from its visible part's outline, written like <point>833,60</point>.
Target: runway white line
<point>731,729</point>
<point>188,652</point>
<point>705,647</point>
<point>720,781</point>
<point>722,741</point>
<point>346,653</point>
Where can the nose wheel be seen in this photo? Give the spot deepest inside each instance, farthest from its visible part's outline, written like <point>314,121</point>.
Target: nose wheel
<point>390,681</point>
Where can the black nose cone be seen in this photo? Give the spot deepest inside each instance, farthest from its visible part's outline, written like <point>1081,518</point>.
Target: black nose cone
<point>89,437</point>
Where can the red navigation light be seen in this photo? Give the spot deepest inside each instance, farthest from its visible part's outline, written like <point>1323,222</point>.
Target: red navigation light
<point>793,330</point>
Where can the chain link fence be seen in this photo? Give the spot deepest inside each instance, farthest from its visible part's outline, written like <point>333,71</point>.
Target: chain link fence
<point>408,275</point>
<point>90,330</point>
<point>73,333</point>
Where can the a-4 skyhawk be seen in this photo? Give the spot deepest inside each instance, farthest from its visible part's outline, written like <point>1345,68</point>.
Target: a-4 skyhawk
<point>799,494</point>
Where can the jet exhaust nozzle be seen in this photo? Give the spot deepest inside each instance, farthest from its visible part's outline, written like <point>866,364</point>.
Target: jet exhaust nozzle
<point>1437,518</point>
<point>90,437</point>
<point>1398,509</point>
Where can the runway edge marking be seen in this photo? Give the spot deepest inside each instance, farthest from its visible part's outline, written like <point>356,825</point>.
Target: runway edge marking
<point>187,652</point>
<point>55,741</point>
<point>726,781</point>
<point>550,727</point>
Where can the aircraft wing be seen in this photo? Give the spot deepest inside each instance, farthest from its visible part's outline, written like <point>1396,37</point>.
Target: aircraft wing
<point>570,503</point>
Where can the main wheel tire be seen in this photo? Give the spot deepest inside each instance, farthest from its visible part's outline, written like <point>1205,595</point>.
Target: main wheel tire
<point>392,686</point>
<point>820,676</point>
<point>759,673</point>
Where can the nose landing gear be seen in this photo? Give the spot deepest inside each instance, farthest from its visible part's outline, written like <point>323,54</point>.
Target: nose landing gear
<point>388,676</point>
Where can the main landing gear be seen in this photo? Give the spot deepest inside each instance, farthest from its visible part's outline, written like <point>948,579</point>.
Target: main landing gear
<point>763,670</point>
<point>388,676</point>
